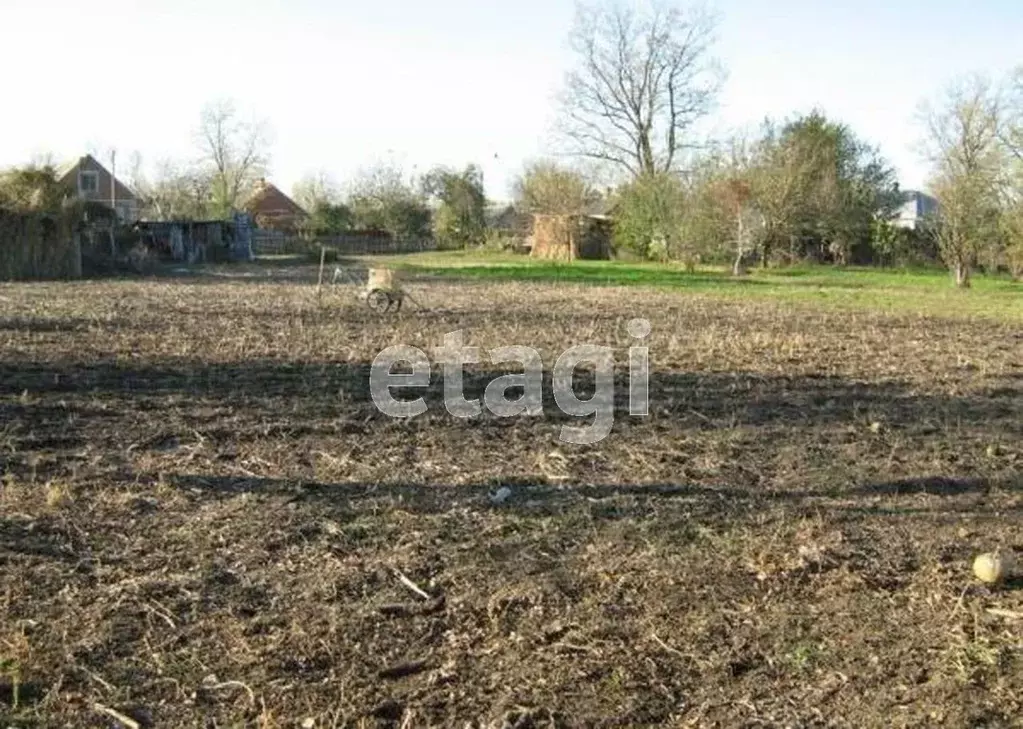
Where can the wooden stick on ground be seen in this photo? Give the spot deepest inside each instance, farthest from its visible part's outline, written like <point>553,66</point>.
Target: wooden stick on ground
<point>117,716</point>
<point>1005,613</point>
<point>403,669</point>
<point>410,584</point>
<point>414,301</point>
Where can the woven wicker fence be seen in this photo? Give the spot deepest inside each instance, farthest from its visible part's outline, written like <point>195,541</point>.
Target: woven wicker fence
<point>38,246</point>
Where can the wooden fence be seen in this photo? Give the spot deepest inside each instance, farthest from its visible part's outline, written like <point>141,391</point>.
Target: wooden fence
<point>38,246</point>
<point>269,242</point>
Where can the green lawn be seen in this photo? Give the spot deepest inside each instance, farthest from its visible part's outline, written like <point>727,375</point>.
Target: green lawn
<point>925,292</point>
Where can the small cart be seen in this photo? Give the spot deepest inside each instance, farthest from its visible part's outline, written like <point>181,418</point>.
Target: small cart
<point>382,291</point>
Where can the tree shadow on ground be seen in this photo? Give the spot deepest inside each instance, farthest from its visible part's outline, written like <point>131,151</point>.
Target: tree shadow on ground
<point>64,398</point>
<point>933,485</point>
<point>541,500</point>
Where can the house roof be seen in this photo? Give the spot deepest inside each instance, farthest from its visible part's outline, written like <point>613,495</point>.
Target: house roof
<point>508,218</point>
<point>65,170</point>
<point>269,200</point>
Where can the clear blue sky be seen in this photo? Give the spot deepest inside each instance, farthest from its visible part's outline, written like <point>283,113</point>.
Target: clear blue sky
<point>345,83</point>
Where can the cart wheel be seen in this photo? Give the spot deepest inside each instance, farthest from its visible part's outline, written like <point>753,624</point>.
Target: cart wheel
<point>395,304</point>
<point>378,300</point>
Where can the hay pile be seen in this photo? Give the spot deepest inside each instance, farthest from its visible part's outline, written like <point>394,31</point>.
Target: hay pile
<point>38,245</point>
<point>382,278</point>
<point>567,237</point>
<point>554,237</point>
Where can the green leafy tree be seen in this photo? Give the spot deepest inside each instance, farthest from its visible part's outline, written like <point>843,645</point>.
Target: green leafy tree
<point>818,184</point>
<point>328,218</point>
<point>315,189</point>
<point>783,184</point>
<point>460,219</point>
<point>1012,231</point>
<point>380,198</point>
<point>32,189</point>
<point>320,197</point>
<point>548,188</point>
<point>852,185</point>
<point>650,216</point>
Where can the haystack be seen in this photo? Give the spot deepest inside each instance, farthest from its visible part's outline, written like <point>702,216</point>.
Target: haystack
<point>382,278</point>
<point>553,238</point>
<point>567,237</point>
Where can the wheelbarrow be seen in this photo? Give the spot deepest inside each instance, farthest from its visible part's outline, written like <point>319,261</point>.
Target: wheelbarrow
<point>382,291</point>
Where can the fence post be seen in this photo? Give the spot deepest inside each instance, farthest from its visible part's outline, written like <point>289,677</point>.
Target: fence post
<point>319,281</point>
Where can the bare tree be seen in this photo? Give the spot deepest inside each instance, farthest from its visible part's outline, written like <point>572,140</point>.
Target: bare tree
<point>316,189</point>
<point>1011,137</point>
<point>1011,116</point>
<point>963,142</point>
<point>236,153</point>
<point>172,192</point>
<point>734,189</point>
<point>644,78</point>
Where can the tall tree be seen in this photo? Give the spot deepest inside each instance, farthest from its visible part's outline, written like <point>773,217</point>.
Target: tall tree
<point>783,186</point>
<point>548,188</point>
<point>315,189</point>
<point>1011,136</point>
<point>644,77</point>
<point>34,188</point>
<point>963,131</point>
<point>849,184</point>
<point>460,219</point>
<point>650,216</point>
<point>730,187</point>
<point>173,192</point>
<point>235,154</point>
<point>381,198</point>
<point>1011,122</point>
<point>320,197</point>
<point>1011,225</point>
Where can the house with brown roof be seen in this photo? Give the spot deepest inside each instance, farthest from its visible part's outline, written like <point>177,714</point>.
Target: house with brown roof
<point>272,209</point>
<point>87,180</point>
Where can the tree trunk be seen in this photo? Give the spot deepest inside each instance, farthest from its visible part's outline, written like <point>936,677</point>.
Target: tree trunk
<point>739,266</point>
<point>963,275</point>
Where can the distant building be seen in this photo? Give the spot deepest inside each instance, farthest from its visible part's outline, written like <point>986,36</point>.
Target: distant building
<point>917,207</point>
<point>193,241</point>
<point>506,219</point>
<point>273,210</point>
<point>87,180</point>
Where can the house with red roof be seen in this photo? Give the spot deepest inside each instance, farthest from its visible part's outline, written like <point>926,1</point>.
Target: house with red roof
<point>273,210</point>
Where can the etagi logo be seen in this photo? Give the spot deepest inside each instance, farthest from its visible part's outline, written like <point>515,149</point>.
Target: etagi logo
<point>454,355</point>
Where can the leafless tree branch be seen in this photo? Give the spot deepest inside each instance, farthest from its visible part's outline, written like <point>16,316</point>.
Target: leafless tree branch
<point>644,79</point>
<point>235,151</point>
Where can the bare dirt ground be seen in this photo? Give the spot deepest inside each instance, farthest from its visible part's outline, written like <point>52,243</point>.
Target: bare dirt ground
<point>205,521</point>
